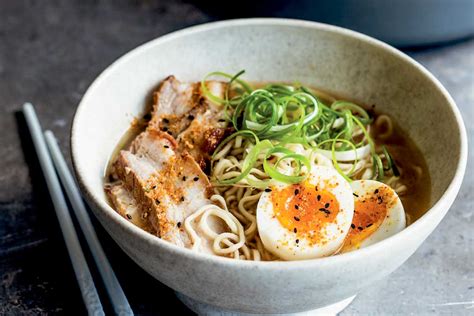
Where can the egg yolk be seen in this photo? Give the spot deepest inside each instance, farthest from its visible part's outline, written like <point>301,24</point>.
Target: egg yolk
<point>305,210</point>
<point>370,211</point>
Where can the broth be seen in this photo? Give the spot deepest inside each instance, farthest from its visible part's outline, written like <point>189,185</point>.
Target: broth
<point>416,200</point>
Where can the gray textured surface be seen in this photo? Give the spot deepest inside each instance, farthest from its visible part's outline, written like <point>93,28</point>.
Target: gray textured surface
<point>51,51</point>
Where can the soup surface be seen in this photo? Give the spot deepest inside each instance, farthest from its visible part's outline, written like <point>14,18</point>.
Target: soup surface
<point>266,171</point>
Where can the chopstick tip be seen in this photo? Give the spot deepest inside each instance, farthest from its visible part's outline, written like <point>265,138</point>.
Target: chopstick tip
<point>49,133</point>
<point>27,105</point>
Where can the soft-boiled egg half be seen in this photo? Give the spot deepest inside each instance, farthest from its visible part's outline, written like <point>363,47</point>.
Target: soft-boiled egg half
<point>378,214</point>
<point>306,220</point>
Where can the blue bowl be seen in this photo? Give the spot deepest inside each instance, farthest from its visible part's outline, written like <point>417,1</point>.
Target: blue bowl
<point>399,22</point>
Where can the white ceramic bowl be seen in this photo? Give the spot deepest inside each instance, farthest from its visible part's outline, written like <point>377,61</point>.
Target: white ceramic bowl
<point>331,58</point>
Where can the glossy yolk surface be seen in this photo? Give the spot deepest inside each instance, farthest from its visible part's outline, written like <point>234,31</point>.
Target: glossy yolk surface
<point>305,210</point>
<point>370,211</point>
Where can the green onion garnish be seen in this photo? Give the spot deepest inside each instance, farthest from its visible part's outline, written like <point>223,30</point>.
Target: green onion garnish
<point>275,115</point>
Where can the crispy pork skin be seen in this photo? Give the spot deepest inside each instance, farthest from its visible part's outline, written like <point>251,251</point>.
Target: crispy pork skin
<point>126,205</point>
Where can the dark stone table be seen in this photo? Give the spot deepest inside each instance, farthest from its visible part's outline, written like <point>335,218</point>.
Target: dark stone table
<point>50,51</point>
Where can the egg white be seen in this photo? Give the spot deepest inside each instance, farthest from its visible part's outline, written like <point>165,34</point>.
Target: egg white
<point>283,243</point>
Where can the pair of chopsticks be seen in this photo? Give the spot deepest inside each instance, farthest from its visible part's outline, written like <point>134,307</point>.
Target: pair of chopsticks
<point>50,158</point>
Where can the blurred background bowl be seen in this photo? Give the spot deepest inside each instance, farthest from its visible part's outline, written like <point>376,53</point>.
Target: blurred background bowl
<point>402,23</point>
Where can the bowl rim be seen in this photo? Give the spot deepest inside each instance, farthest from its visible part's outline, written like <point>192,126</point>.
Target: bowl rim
<point>154,241</point>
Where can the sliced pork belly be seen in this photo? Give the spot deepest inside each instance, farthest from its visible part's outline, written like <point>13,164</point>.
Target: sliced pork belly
<point>126,205</point>
<point>208,128</point>
<point>184,112</point>
<point>173,105</point>
<point>169,185</point>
